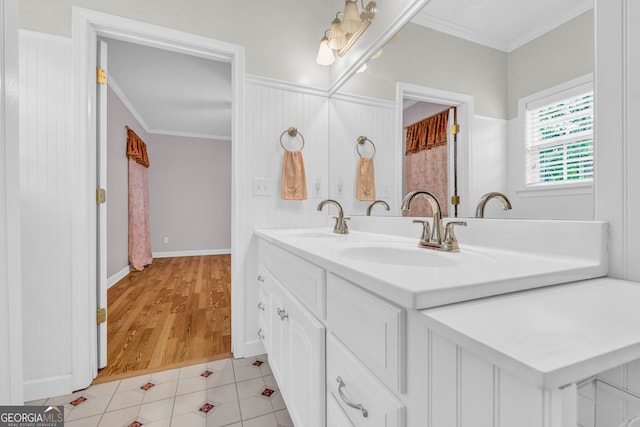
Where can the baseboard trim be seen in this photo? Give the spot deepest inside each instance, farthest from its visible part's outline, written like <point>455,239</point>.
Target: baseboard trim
<point>249,349</point>
<point>191,253</point>
<point>118,276</point>
<point>48,387</point>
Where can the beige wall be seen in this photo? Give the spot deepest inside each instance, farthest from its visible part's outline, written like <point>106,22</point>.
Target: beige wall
<point>280,38</point>
<point>558,56</point>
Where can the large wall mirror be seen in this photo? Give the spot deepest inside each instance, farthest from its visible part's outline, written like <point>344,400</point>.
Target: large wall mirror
<point>443,58</point>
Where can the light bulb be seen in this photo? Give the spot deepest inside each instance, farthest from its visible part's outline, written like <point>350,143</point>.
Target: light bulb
<point>337,37</point>
<point>325,54</point>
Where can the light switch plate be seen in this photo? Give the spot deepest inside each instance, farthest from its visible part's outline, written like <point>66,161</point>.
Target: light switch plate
<point>262,186</point>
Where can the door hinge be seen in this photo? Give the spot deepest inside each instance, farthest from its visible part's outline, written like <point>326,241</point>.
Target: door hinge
<point>101,76</point>
<point>101,195</point>
<point>455,200</point>
<point>101,315</point>
<point>455,129</point>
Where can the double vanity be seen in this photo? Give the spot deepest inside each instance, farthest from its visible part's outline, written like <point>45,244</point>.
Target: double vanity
<point>368,329</point>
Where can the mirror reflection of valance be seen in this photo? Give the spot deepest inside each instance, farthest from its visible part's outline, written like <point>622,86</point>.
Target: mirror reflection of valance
<point>427,133</point>
<point>136,148</point>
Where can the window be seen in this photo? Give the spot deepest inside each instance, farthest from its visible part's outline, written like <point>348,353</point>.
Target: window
<point>559,137</point>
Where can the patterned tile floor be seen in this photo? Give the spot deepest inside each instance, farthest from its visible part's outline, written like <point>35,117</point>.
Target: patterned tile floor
<point>228,392</point>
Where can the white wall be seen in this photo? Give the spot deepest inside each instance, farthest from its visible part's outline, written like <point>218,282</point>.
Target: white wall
<point>351,117</point>
<point>11,389</point>
<point>271,108</point>
<point>46,127</point>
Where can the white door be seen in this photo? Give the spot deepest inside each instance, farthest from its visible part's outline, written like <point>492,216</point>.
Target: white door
<point>101,211</point>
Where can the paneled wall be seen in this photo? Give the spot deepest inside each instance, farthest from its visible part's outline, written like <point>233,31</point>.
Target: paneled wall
<point>271,108</point>
<point>350,117</point>
<point>46,129</point>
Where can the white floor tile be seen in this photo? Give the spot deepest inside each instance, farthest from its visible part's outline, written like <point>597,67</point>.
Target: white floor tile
<point>160,423</point>
<point>268,420</point>
<point>225,414</point>
<point>125,399</point>
<point>171,375</point>
<point>93,406</point>
<point>284,419</point>
<point>250,388</point>
<point>188,420</point>
<point>254,406</point>
<point>118,418</point>
<point>160,391</point>
<point>223,394</point>
<point>191,384</point>
<point>189,402</point>
<point>244,373</point>
<point>84,422</point>
<point>104,389</point>
<point>220,365</point>
<point>278,402</point>
<point>158,410</point>
<point>35,402</point>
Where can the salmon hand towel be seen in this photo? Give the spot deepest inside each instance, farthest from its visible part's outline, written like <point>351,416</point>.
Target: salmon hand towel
<point>366,183</point>
<point>294,180</point>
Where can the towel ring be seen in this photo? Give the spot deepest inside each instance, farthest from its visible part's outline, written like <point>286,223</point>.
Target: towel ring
<point>293,132</point>
<point>361,141</point>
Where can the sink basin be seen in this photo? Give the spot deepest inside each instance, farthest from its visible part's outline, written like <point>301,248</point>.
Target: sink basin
<point>315,235</point>
<point>405,255</point>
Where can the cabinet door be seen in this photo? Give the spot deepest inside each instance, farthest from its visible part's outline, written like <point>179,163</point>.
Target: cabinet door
<point>277,333</point>
<point>335,415</point>
<point>305,388</point>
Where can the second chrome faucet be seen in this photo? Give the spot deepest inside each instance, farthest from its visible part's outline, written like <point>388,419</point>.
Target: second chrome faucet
<point>435,237</point>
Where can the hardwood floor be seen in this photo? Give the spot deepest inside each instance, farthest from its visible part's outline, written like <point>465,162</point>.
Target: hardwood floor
<point>174,313</point>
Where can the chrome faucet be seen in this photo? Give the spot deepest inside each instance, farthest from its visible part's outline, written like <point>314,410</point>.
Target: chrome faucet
<point>506,204</point>
<point>340,226</point>
<point>436,238</point>
<point>382,202</point>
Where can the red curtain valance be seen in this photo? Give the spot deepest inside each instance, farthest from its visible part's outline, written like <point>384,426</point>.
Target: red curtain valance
<point>137,149</point>
<point>427,133</point>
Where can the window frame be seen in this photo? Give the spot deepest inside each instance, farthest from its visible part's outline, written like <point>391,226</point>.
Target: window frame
<point>550,188</point>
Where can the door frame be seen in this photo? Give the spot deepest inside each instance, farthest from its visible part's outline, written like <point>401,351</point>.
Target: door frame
<point>464,104</point>
<point>87,25</point>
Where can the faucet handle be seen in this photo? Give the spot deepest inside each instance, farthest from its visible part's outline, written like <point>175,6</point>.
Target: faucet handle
<point>426,230</point>
<point>340,226</point>
<point>450,243</point>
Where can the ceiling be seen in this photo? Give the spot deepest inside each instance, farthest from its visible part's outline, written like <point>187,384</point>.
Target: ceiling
<point>500,24</point>
<point>171,93</point>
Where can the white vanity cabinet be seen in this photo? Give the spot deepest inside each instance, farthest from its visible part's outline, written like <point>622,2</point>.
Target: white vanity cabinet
<point>295,342</point>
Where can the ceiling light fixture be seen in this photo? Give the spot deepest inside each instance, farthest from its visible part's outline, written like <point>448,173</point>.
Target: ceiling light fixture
<point>344,33</point>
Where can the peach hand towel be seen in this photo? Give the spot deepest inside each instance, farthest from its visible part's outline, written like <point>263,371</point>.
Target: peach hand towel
<point>294,180</point>
<point>366,183</point>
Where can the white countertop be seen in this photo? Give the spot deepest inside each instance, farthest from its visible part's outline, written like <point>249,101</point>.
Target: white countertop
<point>475,272</point>
<point>552,336</point>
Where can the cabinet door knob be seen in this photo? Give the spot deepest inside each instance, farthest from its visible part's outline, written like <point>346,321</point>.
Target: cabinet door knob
<point>348,401</point>
<point>260,334</point>
<point>283,314</point>
<point>260,279</point>
<point>260,306</point>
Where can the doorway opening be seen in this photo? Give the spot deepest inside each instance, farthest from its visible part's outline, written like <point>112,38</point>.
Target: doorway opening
<point>427,101</point>
<point>87,27</point>
<point>176,311</point>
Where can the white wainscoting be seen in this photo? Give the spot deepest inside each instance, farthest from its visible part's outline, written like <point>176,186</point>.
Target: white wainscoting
<point>46,135</point>
<point>352,116</point>
<point>271,108</point>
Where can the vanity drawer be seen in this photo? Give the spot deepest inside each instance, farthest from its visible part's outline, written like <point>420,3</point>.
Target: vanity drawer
<point>373,329</point>
<point>335,415</point>
<point>303,279</point>
<point>351,384</point>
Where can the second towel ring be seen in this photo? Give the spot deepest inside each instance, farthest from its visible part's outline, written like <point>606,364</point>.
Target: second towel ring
<point>361,141</point>
<point>293,132</point>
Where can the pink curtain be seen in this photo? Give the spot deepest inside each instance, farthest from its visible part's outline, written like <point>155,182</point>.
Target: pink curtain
<point>426,162</point>
<point>139,235</point>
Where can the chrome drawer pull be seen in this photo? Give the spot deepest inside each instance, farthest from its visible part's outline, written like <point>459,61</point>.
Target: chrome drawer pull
<point>260,279</point>
<point>346,400</point>
<point>260,334</point>
<point>283,314</point>
<point>260,306</point>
